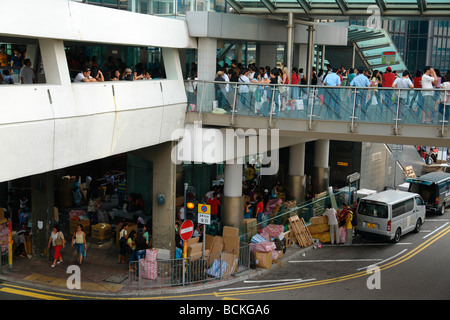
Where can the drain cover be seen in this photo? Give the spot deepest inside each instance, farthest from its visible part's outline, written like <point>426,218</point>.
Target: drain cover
<point>115,278</point>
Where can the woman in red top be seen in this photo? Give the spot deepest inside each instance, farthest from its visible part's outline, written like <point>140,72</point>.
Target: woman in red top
<point>417,93</point>
<point>295,79</point>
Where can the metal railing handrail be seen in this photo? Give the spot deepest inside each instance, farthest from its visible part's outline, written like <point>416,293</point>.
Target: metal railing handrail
<point>312,86</point>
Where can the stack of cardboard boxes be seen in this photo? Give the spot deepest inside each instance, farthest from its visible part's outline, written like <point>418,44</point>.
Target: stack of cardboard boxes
<point>320,229</point>
<point>225,247</point>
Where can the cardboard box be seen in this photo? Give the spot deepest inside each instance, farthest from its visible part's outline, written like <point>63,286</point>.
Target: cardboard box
<point>232,262</point>
<point>264,259</point>
<point>194,249</point>
<point>198,255</point>
<point>209,239</point>
<point>319,220</point>
<point>230,231</point>
<point>280,254</point>
<point>250,228</point>
<point>323,237</point>
<point>101,231</point>
<point>192,241</point>
<point>216,249</point>
<point>231,244</point>
<point>318,228</point>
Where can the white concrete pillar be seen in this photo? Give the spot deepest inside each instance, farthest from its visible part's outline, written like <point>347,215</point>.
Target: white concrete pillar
<point>233,201</point>
<point>296,178</point>
<point>172,64</point>
<point>207,58</point>
<point>55,62</point>
<point>320,178</point>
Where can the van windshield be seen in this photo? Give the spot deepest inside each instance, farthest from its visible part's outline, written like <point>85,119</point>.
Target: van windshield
<point>427,192</point>
<point>374,209</point>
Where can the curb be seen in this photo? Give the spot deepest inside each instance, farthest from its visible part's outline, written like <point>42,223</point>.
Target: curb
<point>248,274</point>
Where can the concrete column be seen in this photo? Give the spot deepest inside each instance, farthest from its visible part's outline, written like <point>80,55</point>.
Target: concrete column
<point>172,64</point>
<point>320,177</point>
<point>233,201</point>
<point>164,182</point>
<point>296,179</point>
<point>55,62</point>
<point>42,212</point>
<point>207,55</point>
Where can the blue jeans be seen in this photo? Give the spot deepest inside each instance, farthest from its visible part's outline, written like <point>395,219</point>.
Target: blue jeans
<point>80,248</point>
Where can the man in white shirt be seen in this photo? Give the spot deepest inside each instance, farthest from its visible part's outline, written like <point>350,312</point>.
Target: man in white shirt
<point>429,79</point>
<point>26,73</point>
<point>84,76</point>
<point>330,213</point>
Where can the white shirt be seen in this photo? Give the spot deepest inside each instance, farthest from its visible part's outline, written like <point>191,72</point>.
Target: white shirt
<point>403,83</point>
<point>27,74</point>
<point>331,214</point>
<point>243,88</point>
<point>80,77</point>
<point>427,83</point>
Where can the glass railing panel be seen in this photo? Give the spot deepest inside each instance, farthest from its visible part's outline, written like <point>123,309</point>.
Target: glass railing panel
<point>346,104</point>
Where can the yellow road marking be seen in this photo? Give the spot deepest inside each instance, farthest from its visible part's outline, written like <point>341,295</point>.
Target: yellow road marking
<point>30,294</point>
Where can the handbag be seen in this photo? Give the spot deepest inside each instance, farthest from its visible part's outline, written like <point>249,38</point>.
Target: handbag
<point>59,240</point>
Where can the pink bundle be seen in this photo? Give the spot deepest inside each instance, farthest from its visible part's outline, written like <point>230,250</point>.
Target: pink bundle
<point>148,269</point>
<point>265,246</point>
<point>273,230</point>
<point>150,254</point>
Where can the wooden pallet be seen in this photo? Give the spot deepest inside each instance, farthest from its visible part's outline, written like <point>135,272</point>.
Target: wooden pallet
<point>301,232</point>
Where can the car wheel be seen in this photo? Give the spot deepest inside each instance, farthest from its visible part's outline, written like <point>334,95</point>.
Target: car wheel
<point>397,236</point>
<point>442,209</point>
<point>418,225</point>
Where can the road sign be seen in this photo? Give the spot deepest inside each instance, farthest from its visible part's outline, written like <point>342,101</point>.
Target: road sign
<point>204,214</point>
<point>186,230</point>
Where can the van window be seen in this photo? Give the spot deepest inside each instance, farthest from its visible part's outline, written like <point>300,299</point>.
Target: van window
<point>402,207</point>
<point>419,201</point>
<point>374,209</point>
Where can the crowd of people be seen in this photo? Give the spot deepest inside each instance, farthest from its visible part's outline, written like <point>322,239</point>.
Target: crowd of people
<point>262,99</point>
<point>90,70</point>
<point>16,63</point>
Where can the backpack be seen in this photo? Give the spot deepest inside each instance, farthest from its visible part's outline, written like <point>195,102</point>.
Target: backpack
<point>354,220</point>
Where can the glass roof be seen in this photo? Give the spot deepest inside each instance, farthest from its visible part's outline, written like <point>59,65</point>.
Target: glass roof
<point>317,8</point>
<point>375,48</point>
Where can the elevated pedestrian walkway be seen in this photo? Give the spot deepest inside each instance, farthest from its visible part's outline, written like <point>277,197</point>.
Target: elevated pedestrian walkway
<point>374,114</point>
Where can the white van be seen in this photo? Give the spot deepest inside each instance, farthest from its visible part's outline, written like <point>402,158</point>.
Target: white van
<point>390,214</point>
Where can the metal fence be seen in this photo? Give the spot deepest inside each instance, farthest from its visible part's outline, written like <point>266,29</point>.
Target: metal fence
<point>180,272</point>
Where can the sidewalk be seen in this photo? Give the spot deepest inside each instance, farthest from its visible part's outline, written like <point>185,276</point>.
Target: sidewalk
<point>101,276</point>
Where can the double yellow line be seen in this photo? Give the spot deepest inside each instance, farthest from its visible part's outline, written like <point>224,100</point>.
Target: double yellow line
<point>391,264</point>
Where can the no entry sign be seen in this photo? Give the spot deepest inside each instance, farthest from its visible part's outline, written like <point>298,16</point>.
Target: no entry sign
<point>186,230</point>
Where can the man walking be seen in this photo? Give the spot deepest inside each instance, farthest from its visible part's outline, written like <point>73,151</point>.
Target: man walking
<point>330,213</point>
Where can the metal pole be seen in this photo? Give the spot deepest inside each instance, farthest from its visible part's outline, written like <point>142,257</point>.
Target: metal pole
<point>310,55</point>
<point>290,41</point>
